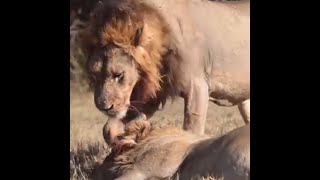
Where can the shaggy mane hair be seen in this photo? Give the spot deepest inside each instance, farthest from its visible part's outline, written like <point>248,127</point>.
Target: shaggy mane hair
<point>137,28</point>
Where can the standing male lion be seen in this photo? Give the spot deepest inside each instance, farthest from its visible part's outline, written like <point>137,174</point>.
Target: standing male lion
<point>141,52</point>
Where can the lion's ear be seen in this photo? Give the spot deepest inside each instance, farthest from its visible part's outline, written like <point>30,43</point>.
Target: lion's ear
<point>137,36</point>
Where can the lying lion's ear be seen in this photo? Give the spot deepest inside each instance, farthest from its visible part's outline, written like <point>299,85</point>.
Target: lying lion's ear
<point>137,36</point>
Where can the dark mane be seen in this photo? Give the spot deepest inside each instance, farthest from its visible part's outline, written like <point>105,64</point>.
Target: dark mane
<point>118,22</point>
<point>107,10</point>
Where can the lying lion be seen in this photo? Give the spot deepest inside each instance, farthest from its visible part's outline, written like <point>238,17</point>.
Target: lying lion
<point>170,153</point>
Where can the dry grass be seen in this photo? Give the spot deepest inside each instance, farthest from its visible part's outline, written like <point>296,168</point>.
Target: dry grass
<point>88,149</point>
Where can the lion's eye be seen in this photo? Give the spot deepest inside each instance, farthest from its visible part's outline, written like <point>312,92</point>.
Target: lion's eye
<point>118,76</point>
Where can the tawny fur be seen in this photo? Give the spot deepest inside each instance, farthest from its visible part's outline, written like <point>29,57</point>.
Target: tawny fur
<point>227,157</point>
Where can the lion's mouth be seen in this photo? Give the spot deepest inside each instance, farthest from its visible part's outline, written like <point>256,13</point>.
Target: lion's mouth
<point>110,113</point>
<point>115,114</point>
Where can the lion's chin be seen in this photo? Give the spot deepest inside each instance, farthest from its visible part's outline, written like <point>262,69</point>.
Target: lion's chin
<point>117,115</point>
<point>121,114</point>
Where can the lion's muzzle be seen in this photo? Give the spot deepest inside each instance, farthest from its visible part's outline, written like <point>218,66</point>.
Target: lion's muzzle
<point>111,108</point>
<point>103,105</point>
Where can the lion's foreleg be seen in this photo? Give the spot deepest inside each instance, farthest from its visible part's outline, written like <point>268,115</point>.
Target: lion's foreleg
<point>244,108</point>
<point>196,106</point>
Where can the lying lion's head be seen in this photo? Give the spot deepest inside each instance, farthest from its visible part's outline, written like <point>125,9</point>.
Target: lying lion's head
<point>124,52</point>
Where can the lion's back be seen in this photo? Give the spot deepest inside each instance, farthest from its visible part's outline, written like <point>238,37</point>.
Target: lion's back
<point>226,157</point>
<point>161,152</point>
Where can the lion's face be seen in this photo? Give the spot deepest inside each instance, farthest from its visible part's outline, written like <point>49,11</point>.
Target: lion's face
<point>114,75</point>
